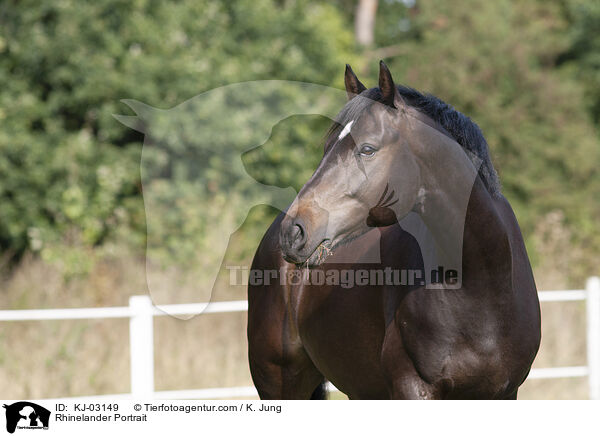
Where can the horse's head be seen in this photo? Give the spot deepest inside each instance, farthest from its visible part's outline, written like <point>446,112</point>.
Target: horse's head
<point>372,173</point>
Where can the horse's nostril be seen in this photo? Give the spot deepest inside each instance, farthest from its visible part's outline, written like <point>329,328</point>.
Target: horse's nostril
<point>297,232</point>
<point>293,238</point>
<point>297,235</point>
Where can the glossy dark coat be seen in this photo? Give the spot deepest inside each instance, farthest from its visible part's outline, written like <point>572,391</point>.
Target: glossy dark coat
<point>397,342</point>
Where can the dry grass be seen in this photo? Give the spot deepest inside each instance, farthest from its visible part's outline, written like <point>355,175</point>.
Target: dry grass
<point>75,358</point>
<point>563,344</point>
<point>72,358</point>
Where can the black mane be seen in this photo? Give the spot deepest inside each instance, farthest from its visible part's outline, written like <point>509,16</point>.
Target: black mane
<point>462,129</point>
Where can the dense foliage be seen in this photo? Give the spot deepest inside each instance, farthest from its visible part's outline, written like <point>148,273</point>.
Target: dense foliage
<point>527,72</point>
<point>69,172</point>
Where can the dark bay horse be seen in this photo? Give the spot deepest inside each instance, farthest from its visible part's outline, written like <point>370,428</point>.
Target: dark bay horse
<point>394,153</point>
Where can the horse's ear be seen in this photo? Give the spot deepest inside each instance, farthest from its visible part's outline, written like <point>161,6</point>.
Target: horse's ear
<point>389,92</point>
<point>353,85</point>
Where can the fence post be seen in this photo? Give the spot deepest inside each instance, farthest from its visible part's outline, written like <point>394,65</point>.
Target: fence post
<point>141,346</point>
<point>593,335</point>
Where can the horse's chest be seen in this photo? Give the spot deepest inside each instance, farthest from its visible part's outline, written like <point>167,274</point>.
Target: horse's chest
<point>456,353</point>
<point>342,331</point>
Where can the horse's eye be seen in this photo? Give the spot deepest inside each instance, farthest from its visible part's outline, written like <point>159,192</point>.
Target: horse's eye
<point>367,150</point>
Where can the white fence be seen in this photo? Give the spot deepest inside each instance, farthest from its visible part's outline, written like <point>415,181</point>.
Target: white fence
<point>141,337</point>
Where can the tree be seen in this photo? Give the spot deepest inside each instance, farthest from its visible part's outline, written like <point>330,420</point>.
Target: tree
<point>496,62</point>
<point>69,172</point>
<point>364,22</point>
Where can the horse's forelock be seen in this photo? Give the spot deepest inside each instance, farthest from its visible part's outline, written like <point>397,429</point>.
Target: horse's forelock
<point>350,113</point>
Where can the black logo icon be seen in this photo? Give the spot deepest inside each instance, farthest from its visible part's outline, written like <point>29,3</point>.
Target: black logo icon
<point>26,415</point>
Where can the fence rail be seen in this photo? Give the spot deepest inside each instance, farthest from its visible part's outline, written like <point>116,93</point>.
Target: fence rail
<point>141,313</point>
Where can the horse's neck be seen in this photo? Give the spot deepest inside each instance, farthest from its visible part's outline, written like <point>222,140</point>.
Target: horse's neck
<point>487,251</point>
<point>468,232</point>
<point>457,210</point>
<point>473,237</point>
